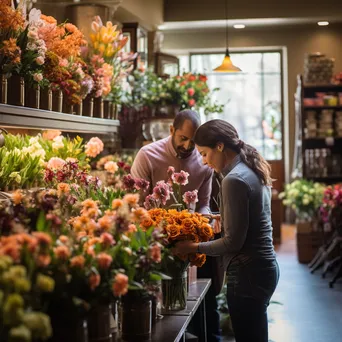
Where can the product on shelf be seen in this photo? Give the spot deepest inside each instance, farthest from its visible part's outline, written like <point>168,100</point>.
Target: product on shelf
<point>318,69</point>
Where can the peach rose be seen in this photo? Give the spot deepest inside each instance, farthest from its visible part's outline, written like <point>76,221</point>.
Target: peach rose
<point>155,253</point>
<point>51,134</point>
<point>94,281</point>
<point>111,167</point>
<point>55,163</point>
<point>43,238</point>
<point>43,260</point>
<point>77,261</point>
<point>104,260</point>
<point>64,239</point>
<point>63,188</point>
<point>132,228</point>
<point>131,199</point>
<point>94,147</point>
<point>117,203</point>
<point>120,285</point>
<point>107,239</point>
<point>62,252</point>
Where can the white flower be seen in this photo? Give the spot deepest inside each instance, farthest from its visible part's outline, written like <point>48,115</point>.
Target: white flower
<point>16,177</point>
<point>34,15</point>
<point>305,201</point>
<point>38,77</point>
<point>58,142</point>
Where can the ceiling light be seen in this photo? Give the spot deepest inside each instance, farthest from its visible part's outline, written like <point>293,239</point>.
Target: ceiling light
<point>323,23</point>
<point>239,26</point>
<point>227,64</point>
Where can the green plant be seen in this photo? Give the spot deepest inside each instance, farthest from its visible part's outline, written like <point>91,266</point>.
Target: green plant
<point>304,197</point>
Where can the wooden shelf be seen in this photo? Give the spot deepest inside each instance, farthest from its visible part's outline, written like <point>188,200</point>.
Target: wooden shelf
<point>24,117</point>
<point>311,143</point>
<point>322,107</point>
<point>323,86</point>
<point>327,180</point>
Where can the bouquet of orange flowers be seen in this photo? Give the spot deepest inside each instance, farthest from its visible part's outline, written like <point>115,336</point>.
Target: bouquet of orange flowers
<point>177,226</point>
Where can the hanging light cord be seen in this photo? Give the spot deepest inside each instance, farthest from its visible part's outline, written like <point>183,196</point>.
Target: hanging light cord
<point>226,12</point>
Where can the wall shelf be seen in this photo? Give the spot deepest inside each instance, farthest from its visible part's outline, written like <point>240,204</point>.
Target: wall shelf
<point>24,117</point>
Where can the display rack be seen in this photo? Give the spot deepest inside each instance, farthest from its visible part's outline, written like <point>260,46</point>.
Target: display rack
<point>24,117</point>
<point>318,158</point>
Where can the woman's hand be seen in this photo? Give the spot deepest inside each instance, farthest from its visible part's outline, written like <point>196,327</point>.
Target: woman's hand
<point>185,247</point>
<point>216,224</point>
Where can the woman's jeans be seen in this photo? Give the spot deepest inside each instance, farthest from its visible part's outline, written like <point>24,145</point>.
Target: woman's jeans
<point>250,286</point>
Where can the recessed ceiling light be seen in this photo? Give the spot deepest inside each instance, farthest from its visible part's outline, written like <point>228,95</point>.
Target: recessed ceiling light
<point>239,26</point>
<point>323,23</point>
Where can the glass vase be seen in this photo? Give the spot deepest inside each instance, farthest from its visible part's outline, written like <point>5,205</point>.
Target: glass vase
<point>175,292</point>
<point>135,318</point>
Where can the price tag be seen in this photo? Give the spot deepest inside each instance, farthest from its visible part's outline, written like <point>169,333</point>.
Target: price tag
<point>330,141</point>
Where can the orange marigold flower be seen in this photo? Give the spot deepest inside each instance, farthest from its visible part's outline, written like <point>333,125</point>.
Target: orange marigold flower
<point>63,188</point>
<point>105,222</point>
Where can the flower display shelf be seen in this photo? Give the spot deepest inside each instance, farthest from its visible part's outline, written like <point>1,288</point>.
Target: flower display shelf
<point>23,117</point>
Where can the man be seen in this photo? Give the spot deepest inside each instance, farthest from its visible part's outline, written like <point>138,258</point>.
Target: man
<point>178,150</point>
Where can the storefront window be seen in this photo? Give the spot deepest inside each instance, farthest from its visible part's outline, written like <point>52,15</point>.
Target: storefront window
<point>252,98</point>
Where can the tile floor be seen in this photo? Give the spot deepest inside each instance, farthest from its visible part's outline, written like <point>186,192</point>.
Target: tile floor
<point>310,310</point>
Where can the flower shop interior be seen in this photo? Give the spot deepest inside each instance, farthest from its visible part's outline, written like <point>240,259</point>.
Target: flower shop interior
<point>84,86</point>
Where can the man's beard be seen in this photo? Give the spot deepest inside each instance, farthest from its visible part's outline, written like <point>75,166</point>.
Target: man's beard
<point>182,153</point>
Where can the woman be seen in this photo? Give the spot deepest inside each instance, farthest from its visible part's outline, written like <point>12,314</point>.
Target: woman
<point>246,244</point>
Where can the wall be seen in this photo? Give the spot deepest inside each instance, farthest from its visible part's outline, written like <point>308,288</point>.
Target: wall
<point>298,41</point>
<point>187,10</point>
<point>149,13</point>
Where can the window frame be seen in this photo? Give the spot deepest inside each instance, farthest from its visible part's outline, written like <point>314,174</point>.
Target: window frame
<point>282,72</point>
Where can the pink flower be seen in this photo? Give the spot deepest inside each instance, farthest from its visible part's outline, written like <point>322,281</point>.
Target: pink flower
<point>120,285</point>
<point>104,260</point>
<point>128,182</point>
<point>63,62</point>
<point>94,281</point>
<point>180,178</point>
<point>150,202</point>
<point>161,192</point>
<point>190,197</point>
<point>170,171</point>
<point>191,91</point>
<point>155,253</point>
<point>62,252</point>
<point>142,184</point>
<point>94,147</point>
<point>111,167</point>
<point>43,260</point>
<point>55,163</point>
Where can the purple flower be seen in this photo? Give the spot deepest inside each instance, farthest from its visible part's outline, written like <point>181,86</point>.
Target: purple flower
<point>150,202</point>
<point>128,182</point>
<point>142,184</point>
<point>180,178</point>
<point>190,197</point>
<point>161,192</point>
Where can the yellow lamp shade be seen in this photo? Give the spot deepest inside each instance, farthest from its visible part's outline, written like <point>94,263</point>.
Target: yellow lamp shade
<point>227,66</point>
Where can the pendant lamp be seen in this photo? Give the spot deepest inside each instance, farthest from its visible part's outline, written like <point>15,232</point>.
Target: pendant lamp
<point>227,64</point>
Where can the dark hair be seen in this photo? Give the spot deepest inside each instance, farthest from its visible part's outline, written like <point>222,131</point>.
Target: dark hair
<point>219,131</point>
<point>184,115</point>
